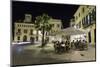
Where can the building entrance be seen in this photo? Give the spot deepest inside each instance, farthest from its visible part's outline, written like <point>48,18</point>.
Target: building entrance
<point>25,38</point>
<point>32,39</point>
<point>89,37</point>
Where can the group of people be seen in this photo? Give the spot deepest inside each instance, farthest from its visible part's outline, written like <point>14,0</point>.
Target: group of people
<point>67,45</point>
<point>79,44</point>
<point>61,46</point>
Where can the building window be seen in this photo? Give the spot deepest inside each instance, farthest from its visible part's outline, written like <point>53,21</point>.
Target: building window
<point>82,21</point>
<point>89,37</point>
<point>31,32</point>
<point>25,31</point>
<point>80,24</point>
<point>83,10</point>
<point>86,19</point>
<point>58,25</point>
<point>18,38</point>
<point>79,14</point>
<point>19,30</point>
<point>52,25</point>
<point>93,15</point>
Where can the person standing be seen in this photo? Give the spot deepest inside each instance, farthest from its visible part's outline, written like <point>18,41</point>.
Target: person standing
<point>72,44</point>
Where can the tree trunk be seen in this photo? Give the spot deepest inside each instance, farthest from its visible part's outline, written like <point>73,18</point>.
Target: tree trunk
<point>37,35</point>
<point>43,40</point>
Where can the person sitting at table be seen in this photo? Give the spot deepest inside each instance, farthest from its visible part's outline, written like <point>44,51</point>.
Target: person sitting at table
<point>72,44</point>
<point>67,45</point>
<point>61,46</point>
<point>76,44</point>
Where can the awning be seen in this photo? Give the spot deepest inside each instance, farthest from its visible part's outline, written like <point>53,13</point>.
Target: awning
<point>72,31</point>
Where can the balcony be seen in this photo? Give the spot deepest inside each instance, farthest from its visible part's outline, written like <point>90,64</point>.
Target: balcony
<point>87,25</point>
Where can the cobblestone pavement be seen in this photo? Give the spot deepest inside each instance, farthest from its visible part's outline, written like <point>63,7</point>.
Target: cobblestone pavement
<point>33,54</point>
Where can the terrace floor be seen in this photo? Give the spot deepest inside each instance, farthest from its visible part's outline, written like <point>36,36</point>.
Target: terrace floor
<point>33,54</point>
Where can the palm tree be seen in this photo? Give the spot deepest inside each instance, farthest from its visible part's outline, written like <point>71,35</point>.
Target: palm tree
<point>43,25</point>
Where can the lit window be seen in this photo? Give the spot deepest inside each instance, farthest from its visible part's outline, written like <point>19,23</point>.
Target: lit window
<point>18,38</point>
<point>25,31</point>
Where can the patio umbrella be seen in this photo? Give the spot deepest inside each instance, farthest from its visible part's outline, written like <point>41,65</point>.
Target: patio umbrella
<point>73,31</point>
<point>70,31</point>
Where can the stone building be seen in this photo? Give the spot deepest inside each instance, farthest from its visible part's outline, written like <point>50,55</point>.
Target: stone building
<point>85,19</point>
<point>56,25</point>
<point>23,31</point>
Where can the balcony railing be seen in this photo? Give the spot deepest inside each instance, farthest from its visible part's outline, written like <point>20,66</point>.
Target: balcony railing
<point>87,25</point>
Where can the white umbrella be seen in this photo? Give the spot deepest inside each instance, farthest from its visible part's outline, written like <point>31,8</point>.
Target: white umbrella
<point>72,31</point>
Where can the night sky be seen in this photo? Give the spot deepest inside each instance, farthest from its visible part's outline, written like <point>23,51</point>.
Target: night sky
<point>57,11</point>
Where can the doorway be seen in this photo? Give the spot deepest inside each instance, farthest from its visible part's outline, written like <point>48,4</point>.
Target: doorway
<point>89,37</point>
<point>24,38</point>
<point>32,39</point>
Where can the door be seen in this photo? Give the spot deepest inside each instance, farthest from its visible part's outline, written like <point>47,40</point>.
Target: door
<point>32,39</point>
<point>89,37</point>
<point>25,38</point>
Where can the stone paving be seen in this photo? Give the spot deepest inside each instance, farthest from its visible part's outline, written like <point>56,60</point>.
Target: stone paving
<point>33,54</point>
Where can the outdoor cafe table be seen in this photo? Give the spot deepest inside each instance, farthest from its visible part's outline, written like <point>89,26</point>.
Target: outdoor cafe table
<point>63,46</point>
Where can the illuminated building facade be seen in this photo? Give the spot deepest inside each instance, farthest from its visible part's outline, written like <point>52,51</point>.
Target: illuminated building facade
<point>23,31</point>
<point>56,25</point>
<point>85,19</point>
